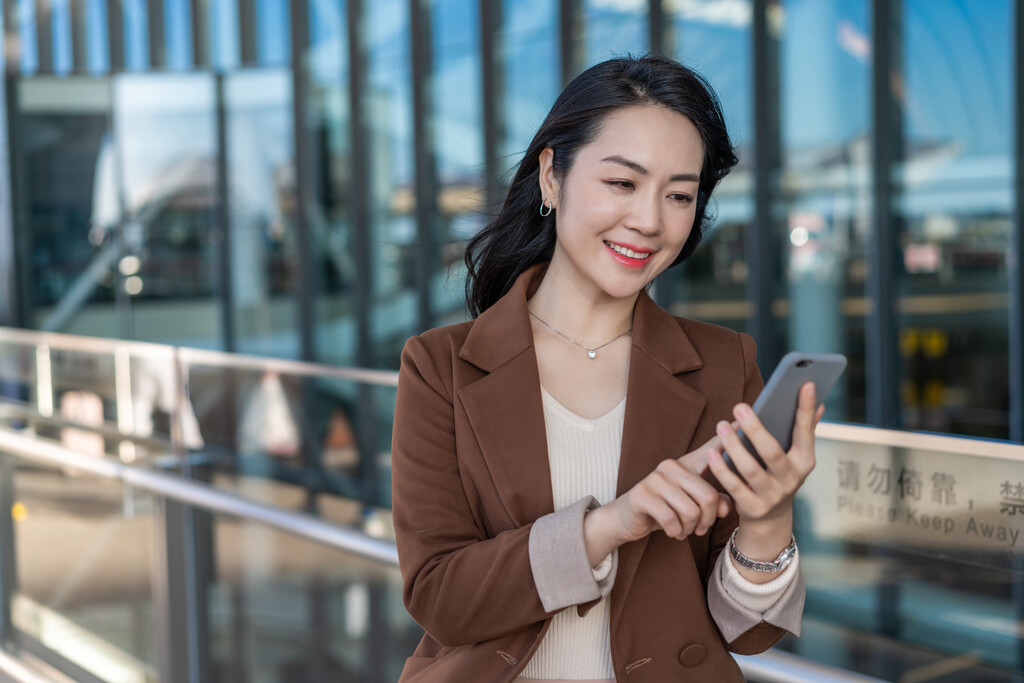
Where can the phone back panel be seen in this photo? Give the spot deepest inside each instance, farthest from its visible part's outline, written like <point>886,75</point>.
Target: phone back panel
<point>776,405</point>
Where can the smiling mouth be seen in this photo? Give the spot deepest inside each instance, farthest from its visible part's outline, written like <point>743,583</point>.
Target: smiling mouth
<point>629,253</point>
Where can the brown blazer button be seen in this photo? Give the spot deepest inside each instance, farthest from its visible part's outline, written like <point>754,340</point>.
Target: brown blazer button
<point>692,655</point>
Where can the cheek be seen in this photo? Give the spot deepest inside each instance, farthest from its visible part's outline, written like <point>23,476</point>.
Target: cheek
<point>585,212</point>
<point>681,225</point>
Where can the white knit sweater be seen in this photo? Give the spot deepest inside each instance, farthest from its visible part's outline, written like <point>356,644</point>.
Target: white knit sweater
<point>584,459</point>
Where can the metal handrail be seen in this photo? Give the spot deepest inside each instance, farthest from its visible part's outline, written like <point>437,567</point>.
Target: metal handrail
<point>99,345</point>
<point>10,408</point>
<point>204,496</point>
<point>778,666</point>
<point>17,670</point>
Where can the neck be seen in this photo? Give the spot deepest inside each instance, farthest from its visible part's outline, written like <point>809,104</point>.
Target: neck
<point>590,317</point>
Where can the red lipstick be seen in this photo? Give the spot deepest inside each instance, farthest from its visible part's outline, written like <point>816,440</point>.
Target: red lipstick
<point>629,261</point>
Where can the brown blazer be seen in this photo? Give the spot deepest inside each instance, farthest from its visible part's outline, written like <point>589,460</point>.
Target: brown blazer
<point>470,477</point>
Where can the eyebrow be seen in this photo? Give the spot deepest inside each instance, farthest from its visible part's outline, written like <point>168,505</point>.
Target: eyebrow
<point>623,161</point>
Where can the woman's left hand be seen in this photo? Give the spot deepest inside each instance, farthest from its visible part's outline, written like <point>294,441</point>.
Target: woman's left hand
<point>765,495</point>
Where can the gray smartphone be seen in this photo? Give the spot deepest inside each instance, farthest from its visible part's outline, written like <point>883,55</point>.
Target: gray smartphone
<point>777,403</point>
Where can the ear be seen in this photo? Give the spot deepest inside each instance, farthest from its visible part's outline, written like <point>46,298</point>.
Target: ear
<point>546,177</point>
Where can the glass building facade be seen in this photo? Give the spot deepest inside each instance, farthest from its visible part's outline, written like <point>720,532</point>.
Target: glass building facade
<point>298,179</point>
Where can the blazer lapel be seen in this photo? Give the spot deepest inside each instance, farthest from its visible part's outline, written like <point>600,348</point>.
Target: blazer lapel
<point>662,413</point>
<point>504,406</point>
<point>506,413</point>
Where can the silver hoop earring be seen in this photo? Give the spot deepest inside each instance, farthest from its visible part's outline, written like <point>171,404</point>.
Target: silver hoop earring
<point>544,205</point>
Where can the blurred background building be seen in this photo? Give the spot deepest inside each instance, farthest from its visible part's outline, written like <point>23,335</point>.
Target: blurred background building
<point>294,181</point>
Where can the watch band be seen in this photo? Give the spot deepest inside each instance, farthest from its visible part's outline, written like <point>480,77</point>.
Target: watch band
<point>780,562</point>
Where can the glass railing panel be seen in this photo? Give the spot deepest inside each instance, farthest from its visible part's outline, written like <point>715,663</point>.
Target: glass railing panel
<point>284,608</point>
<point>324,439</point>
<point>83,585</point>
<point>95,397</point>
<point>911,547</point>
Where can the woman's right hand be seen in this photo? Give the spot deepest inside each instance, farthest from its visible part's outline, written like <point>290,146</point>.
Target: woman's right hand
<point>674,498</point>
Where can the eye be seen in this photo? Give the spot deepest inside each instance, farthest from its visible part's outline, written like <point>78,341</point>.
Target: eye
<point>621,184</point>
<point>681,198</point>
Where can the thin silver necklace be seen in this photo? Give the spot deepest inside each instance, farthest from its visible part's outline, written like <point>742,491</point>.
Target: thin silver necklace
<point>591,352</point>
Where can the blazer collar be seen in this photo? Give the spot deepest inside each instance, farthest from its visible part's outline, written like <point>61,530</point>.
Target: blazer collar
<point>503,331</point>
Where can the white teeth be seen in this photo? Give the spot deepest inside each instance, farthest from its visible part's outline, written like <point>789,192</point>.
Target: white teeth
<point>627,252</point>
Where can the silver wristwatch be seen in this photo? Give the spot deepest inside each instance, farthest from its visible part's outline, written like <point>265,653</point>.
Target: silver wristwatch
<point>780,563</point>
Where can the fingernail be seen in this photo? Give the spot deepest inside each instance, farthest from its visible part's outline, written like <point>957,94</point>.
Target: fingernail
<point>712,454</point>
<point>743,410</point>
<point>723,428</point>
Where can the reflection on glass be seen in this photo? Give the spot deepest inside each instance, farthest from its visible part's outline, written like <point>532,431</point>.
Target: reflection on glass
<point>164,170</point>
<point>711,285</point>
<point>332,232</point>
<point>613,28</point>
<point>825,58</point>
<point>273,37</point>
<point>261,211</point>
<point>954,208</point>
<point>65,136</point>
<point>315,434</point>
<point>287,609</point>
<point>100,614</point>
<point>910,556</point>
<point>458,135</point>
<point>529,43</point>
<point>136,34</point>
<point>388,111</point>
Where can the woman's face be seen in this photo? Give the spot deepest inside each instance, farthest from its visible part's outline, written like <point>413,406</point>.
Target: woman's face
<point>626,207</point>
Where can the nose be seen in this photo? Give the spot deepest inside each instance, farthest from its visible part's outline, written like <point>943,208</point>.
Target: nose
<point>645,215</point>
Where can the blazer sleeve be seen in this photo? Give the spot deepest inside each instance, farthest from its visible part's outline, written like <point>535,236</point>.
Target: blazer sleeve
<point>744,630</point>
<point>460,585</point>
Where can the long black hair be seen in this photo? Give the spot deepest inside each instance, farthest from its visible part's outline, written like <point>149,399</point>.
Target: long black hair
<point>519,236</point>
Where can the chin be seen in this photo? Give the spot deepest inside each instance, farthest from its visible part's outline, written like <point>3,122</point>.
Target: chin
<point>625,288</point>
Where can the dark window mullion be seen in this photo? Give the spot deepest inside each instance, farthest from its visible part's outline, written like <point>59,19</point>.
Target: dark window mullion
<point>570,26</point>
<point>79,36</point>
<point>200,15</point>
<point>115,34</point>
<point>493,93</point>
<point>659,28</point>
<point>881,363</point>
<point>247,32</point>
<point>424,158</point>
<point>157,35</point>
<point>303,183</point>
<point>1016,256</point>
<point>44,36</point>
<point>761,244</point>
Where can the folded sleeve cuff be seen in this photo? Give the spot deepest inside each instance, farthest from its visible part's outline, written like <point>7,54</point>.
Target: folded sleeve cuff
<point>757,596</point>
<point>737,605</point>
<point>558,559</point>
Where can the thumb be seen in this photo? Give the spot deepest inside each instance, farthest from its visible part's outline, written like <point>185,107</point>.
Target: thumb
<point>697,460</point>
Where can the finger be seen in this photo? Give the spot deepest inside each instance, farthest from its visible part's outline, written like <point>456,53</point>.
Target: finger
<point>664,515</point>
<point>696,461</point>
<point>747,466</point>
<point>764,443</point>
<point>730,481</point>
<point>803,429</point>
<point>683,513</point>
<point>802,452</point>
<point>818,414</point>
<point>692,487</point>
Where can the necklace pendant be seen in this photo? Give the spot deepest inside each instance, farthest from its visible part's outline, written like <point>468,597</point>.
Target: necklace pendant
<point>591,354</point>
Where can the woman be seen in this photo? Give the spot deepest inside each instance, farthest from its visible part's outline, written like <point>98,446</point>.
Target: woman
<point>560,501</point>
